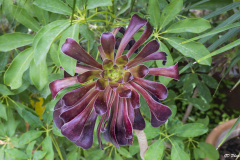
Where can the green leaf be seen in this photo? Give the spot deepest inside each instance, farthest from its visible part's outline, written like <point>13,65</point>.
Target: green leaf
<point>156,149</point>
<point>31,119</point>
<point>22,16</point>
<point>233,62</point>
<point>194,25</point>
<point>11,41</point>
<point>45,37</point>
<point>88,34</point>
<point>223,49</point>
<point>199,103</point>
<point>29,136</point>
<point>39,155</point>
<point>72,155</point>
<point>154,12</point>
<point>68,63</point>
<point>190,83</point>
<point>16,153</point>
<point>57,131</point>
<point>213,32</point>
<point>117,157</point>
<point>209,150</point>
<point>11,124</point>
<point>124,152</point>
<point>163,47</point>
<point>204,121</point>
<point>95,155</point>
<point>98,3</point>
<point>39,74</point>
<point>208,80</point>
<point>42,15</point>
<point>204,91</point>
<point>230,131</point>
<point>124,8</point>
<point>3,113</point>
<point>3,60</point>
<point>48,114</point>
<point>55,6</point>
<point>47,147</point>
<point>177,152</point>
<point>192,49</point>
<point>198,153</point>
<point>150,131</point>
<point>14,73</point>
<point>134,148</point>
<point>4,90</point>
<point>2,152</point>
<point>170,11</point>
<point>190,130</point>
<point>54,54</point>
<point>29,149</point>
<point>222,10</point>
<point>7,10</point>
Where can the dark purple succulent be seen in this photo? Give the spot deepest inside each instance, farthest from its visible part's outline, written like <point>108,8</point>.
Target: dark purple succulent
<point>112,89</point>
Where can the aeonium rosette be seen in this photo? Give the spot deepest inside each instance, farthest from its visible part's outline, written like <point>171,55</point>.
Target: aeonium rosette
<point>115,92</point>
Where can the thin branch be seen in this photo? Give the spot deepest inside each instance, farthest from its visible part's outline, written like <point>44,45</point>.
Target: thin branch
<point>142,141</point>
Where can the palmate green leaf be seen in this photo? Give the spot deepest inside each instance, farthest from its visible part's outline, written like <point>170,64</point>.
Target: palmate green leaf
<point>54,54</point>
<point>204,91</point>
<point>223,49</point>
<point>124,152</point>
<point>150,131</point>
<point>68,63</point>
<point>27,5</point>
<point>177,153</point>
<point>199,103</point>
<point>204,121</point>
<point>3,113</point>
<point>170,11</point>
<point>98,3</point>
<point>88,34</point>
<point>41,14</point>
<point>190,83</point>
<point>192,49</point>
<point>198,153</point>
<point>45,37</point>
<point>4,90</point>
<point>48,148</point>
<point>163,47</point>
<point>213,32</point>
<point>16,153</point>
<point>194,25</point>
<point>3,60</point>
<point>222,10</point>
<point>55,6</point>
<point>14,73</point>
<point>29,149</point>
<point>230,131</point>
<point>11,41</point>
<point>209,150</point>
<point>22,16</point>
<point>134,148</point>
<point>154,12</point>
<point>39,155</point>
<point>190,130</point>
<point>2,152</point>
<point>29,136</point>
<point>117,157</point>
<point>156,149</point>
<point>39,74</point>
<point>195,4</point>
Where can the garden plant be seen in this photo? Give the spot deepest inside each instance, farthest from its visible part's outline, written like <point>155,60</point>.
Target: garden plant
<point>116,79</point>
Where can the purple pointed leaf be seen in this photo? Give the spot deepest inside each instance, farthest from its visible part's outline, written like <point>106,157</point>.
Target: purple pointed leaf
<point>101,84</point>
<point>155,88</point>
<point>148,49</point>
<point>123,60</point>
<point>139,123</point>
<point>85,140</point>
<point>120,129</point>
<point>84,68</point>
<point>124,92</point>
<point>151,57</point>
<point>99,131</point>
<point>171,71</point>
<point>146,34</point>
<point>135,24</point>
<point>104,74</point>
<point>108,45</point>
<point>74,50</point>
<point>101,51</point>
<point>57,111</point>
<point>100,104</point>
<point>139,71</point>
<point>107,64</point>
<point>89,75</point>
<point>128,77</point>
<point>73,96</point>
<point>120,29</point>
<point>58,85</point>
<point>155,122</point>
<point>161,111</point>
<point>127,122</point>
<point>135,97</point>
<point>72,112</point>
<point>114,85</point>
<point>130,110</point>
<point>120,80</point>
